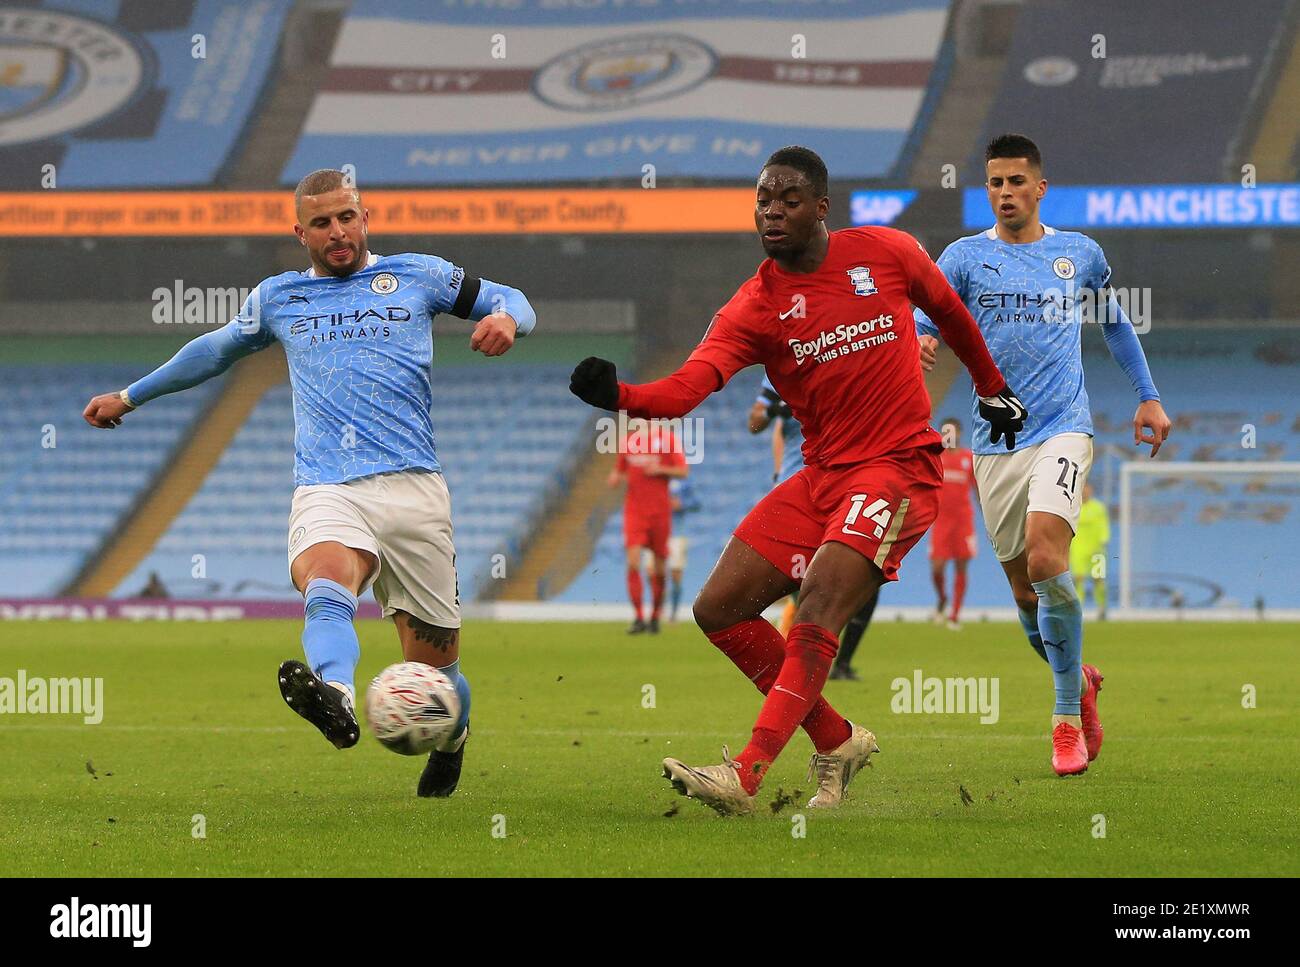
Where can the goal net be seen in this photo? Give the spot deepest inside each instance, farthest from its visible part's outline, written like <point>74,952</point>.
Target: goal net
<point>1207,536</point>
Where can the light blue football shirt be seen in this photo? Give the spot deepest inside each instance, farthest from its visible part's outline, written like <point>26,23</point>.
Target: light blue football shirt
<point>360,350</point>
<point>1027,302</point>
<point>791,434</point>
<point>684,490</point>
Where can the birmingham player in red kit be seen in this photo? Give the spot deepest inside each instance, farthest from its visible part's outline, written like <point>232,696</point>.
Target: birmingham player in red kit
<point>953,536</point>
<point>828,315</point>
<point>648,459</point>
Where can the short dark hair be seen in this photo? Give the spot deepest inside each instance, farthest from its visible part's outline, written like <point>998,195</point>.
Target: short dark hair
<point>953,420</point>
<point>807,162</point>
<point>1014,146</point>
<point>320,181</point>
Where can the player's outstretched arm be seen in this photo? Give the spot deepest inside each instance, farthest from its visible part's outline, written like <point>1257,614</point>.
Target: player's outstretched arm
<point>595,381</point>
<point>727,347</point>
<point>502,313</point>
<point>198,360</point>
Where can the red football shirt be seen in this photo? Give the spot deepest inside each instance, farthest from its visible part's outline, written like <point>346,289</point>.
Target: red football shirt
<point>955,511</point>
<point>647,495</point>
<point>838,344</point>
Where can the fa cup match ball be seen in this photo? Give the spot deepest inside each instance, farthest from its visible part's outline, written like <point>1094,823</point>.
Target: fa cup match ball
<point>411,707</point>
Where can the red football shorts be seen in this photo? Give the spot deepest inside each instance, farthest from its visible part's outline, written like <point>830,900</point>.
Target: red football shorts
<point>880,509</point>
<point>952,543</point>
<point>651,532</point>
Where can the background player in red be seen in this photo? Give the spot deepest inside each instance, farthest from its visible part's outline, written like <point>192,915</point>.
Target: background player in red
<point>827,314</point>
<point>648,458</point>
<point>953,536</point>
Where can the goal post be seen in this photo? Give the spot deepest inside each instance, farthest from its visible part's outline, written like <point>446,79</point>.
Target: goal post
<point>1205,535</point>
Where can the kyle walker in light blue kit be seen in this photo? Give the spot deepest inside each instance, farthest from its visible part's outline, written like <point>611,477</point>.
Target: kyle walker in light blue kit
<point>370,506</point>
<point>1027,286</point>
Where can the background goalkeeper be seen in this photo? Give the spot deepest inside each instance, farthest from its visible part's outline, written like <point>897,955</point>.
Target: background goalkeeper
<point>1088,550</point>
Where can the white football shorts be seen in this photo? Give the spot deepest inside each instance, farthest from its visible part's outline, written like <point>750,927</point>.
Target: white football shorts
<point>1047,477</point>
<point>678,545</point>
<point>404,519</point>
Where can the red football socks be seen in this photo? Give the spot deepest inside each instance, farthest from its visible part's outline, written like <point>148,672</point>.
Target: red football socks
<point>757,649</point>
<point>656,595</point>
<point>634,590</point>
<point>958,592</point>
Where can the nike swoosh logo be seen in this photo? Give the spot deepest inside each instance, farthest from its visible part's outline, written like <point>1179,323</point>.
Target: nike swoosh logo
<point>786,314</point>
<point>779,688</point>
<point>849,530</point>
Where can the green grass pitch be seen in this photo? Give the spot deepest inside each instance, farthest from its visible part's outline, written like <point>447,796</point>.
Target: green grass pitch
<point>1189,782</point>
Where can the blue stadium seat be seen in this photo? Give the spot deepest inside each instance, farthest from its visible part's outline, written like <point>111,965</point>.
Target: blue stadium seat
<point>65,485</point>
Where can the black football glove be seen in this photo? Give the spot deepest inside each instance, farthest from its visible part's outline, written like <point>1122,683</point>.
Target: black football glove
<point>595,381</point>
<point>1006,416</point>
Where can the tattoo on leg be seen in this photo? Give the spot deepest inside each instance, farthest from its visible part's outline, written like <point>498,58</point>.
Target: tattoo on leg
<point>440,638</point>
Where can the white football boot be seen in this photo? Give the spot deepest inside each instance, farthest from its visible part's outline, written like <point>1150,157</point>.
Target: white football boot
<point>718,787</point>
<point>836,769</point>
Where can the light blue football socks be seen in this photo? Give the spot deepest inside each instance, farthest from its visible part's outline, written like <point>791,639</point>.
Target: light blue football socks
<point>329,638</point>
<point>1060,622</point>
<point>452,671</point>
<point>1029,621</point>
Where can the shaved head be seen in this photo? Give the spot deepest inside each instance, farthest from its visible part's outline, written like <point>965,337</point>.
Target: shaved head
<point>319,182</point>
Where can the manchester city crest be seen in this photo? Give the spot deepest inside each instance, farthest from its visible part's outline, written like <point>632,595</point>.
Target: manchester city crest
<point>60,72</point>
<point>624,72</point>
<point>383,283</point>
<point>1063,268</point>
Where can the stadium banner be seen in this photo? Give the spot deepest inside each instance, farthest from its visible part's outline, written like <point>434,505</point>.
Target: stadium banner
<point>1154,206</point>
<point>112,93</point>
<point>531,211</point>
<point>1132,92</point>
<point>562,90</point>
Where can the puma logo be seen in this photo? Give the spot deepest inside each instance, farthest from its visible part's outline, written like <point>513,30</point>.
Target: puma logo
<point>996,271</point>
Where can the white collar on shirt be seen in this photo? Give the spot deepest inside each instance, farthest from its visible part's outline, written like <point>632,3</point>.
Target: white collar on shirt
<point>371,260</point>
<point>993,232</point>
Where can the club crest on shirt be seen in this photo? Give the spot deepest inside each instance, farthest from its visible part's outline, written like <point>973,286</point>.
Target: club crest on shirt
<point>383,283</point>
<point>1063,268</point>
<point>862,282</point>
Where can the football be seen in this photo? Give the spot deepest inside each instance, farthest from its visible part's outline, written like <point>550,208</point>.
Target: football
<point>411,707</point>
